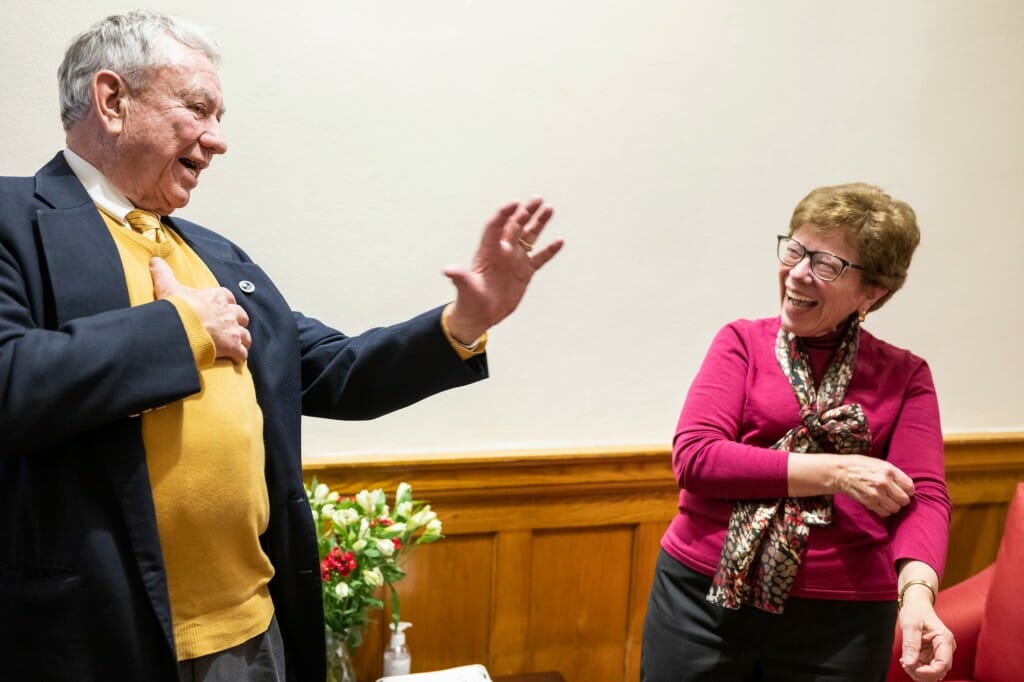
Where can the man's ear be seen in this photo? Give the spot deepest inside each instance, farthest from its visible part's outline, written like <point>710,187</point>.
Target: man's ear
<point>110,97</point>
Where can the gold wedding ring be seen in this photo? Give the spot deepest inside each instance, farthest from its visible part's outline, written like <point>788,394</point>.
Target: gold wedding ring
<point>526,245</point>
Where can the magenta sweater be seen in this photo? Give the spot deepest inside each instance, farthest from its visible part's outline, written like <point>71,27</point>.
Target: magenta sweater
<point>740,403</point>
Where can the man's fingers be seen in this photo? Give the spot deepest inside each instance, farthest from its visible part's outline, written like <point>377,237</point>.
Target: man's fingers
<point>546,254</point>
<point>164,281</point>
<point>515,228</point>
<point>531,232</point>
<point>529,208</point>
<point>495,228</point>
<point>458,274</point>
<point>223,295</point>
<point>243,317</point>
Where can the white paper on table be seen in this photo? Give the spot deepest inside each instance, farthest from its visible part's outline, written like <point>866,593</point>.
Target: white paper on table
<point>463,673</point>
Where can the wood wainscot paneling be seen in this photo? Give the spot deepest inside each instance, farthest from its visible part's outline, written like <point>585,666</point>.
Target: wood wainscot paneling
<point>548,556</point>
<point>982,471</point>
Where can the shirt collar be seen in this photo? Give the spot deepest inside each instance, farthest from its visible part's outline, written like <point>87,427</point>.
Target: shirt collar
<point>107,198</point>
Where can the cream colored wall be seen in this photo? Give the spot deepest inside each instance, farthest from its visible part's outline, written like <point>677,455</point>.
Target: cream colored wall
<point>370,140</point>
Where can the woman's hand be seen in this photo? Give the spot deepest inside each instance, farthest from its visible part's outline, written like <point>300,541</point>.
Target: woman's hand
<point>928,645</point>
<point>876,484</point>
<point>873,482</point>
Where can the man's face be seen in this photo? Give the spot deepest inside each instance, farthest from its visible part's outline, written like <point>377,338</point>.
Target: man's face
<point>171,131</point>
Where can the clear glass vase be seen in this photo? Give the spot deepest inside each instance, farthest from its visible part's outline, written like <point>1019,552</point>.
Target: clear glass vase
<point>339,659</point>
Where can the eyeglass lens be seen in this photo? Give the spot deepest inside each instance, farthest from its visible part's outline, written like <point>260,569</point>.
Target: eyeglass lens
<point>824,265</point>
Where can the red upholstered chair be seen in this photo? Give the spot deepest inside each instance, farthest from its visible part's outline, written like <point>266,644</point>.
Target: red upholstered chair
<point>986,613</point>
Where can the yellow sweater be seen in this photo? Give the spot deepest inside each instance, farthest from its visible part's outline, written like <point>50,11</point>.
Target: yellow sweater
<point>206,467</point>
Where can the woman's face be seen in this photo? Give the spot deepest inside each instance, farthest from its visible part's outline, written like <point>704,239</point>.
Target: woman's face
<point>812,307</point>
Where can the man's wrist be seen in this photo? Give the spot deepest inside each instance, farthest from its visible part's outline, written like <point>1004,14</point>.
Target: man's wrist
<point>462,333</point>
<point>464,349</point>
<point>468,346</point>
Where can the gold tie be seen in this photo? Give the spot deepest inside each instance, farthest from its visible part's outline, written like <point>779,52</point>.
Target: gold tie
<point>147,224</point>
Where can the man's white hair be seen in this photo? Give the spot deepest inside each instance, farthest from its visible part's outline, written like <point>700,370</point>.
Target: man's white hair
<point>131,46</point>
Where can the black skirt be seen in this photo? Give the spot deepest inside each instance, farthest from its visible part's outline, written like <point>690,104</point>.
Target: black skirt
<point>686,638</point>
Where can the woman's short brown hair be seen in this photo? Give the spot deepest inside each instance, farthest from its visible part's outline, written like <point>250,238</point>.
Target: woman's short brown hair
<point>882,229</point>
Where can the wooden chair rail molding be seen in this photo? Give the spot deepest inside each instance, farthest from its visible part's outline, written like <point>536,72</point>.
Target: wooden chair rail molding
<point>548,555</point>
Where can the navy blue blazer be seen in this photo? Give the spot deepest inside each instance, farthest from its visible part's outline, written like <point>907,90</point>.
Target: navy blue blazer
<point>83,594</point>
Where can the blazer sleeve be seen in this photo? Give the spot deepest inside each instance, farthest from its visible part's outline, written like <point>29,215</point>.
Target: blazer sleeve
<point>381,370</point>
<point>57,384</point>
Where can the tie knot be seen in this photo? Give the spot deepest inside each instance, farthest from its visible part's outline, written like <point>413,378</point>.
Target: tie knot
<point>145,223</point>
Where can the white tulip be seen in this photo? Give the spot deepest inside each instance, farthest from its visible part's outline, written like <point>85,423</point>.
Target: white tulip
<point>342,590</point>
<point>422,517</point>
<point>386,547</point>
<point>346,517</point>
<point>320,494</point>
<point>373,577</point>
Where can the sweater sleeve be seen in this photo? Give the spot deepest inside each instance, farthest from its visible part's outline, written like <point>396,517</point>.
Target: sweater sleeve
<point>199,340</point>
<point>921,530</point>
<point>707,456</point>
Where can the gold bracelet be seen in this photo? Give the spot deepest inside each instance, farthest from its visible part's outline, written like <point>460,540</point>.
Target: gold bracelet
<point>911,583</point>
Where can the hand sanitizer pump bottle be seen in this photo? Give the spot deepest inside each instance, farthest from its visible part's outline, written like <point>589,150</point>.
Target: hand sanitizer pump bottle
<point>397,660</point>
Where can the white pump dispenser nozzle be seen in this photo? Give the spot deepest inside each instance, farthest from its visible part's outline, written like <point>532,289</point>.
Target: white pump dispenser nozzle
<point>398,632</point>
<point>397,660</point>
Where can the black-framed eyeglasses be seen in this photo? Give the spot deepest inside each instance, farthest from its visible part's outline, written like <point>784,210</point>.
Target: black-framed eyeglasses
<point>827,267</point>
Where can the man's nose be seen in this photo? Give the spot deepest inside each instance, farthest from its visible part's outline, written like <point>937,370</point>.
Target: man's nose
<point>213,138</point>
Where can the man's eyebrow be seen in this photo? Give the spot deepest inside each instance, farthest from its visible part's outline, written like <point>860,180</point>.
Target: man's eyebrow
<point>209,97</point>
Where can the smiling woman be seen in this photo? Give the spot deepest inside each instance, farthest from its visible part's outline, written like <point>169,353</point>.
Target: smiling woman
<point>818,288</point>
<point>881,231</point>
<point>848,251</point>
<point>795,529</point>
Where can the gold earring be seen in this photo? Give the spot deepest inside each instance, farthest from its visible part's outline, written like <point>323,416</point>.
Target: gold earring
<point>862,315</point>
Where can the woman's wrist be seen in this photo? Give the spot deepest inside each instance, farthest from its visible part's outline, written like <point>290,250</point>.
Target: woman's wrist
<point>916,588</point>
<point>813,474</point>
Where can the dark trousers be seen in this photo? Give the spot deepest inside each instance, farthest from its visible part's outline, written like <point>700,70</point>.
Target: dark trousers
<point>260,659</point>
<point>688,639</point>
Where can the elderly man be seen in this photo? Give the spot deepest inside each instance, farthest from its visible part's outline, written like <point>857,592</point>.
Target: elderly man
<point>153,524</point>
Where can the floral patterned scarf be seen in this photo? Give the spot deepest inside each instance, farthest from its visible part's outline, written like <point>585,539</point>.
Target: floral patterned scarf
<point>767,539</point>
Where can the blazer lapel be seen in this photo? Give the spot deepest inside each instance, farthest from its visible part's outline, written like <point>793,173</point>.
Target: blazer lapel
<point>84,267</point>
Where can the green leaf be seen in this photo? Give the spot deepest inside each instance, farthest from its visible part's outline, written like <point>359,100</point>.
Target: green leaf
<point>396,606</point>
